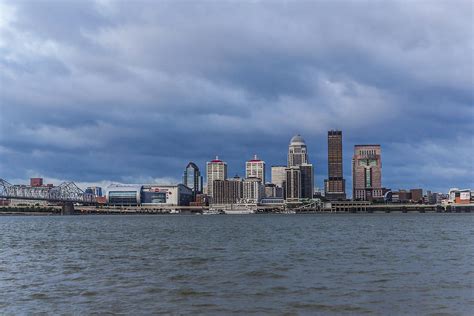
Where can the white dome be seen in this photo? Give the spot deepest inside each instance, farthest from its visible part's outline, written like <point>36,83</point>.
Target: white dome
<point>297,140</point>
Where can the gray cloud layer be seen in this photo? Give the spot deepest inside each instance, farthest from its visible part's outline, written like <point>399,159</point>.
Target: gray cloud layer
<point>131,91</point>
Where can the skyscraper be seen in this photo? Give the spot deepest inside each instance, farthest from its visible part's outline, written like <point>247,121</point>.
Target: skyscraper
<point>216,170</point>
<point>300,173</point>
<point>367,173</point>
<point>255,168</point>
<point>192,178</point>
<point>307,181</point>
<point>297,154</point>
<point>335,185</point>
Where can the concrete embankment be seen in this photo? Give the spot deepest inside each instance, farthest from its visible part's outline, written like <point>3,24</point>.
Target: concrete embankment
<point>29,210</point>
<point>94,210</point>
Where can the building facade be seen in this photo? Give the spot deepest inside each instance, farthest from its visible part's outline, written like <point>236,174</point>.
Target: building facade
<point>123,194</point>
<point>279,176</point>
<point>227,191</point>
<point>36,182</point>
<point>153,194</point>
<point>416,195</point>
<point>299,173</point>
<point>192,178</point>
<point>216,170</point>
<point>293,184</point>
<point>148,194</point>
<point>460,196</point>
<point>273,191</point>
<point>307,181</point>
<point>253,190</point>
<point>335,184</point>
<point>367,173</point>
<point>297,152</point>
<point>96,191</point>
<point>255,168</point>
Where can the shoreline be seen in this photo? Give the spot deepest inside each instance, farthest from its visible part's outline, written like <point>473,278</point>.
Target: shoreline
<point>57,212</point>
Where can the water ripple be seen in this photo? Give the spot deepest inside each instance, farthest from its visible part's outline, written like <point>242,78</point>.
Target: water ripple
<point>220,265</point>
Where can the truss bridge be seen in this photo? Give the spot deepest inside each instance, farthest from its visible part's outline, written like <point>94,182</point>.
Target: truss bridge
<point>67,194</point>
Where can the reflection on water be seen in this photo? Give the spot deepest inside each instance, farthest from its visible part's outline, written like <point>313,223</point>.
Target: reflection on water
<point>354,264</point>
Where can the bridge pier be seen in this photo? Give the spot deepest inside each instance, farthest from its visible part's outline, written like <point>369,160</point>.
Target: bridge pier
<point>68,208</point>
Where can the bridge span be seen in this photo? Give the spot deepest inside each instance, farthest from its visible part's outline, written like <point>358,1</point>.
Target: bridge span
<point>66,194</point>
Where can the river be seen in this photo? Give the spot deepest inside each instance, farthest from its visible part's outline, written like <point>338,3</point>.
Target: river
<point>242,264</point>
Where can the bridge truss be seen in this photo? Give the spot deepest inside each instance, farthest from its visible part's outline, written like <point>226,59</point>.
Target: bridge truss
<point>65,192</point>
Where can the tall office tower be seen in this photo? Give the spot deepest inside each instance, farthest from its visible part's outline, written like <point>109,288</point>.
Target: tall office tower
<point>298,159</point>
<point>255,168</point>
<point>335,185</point>
<point>253,190</point>
<point>307,181</point>
<point>297,154</point>
<point>367,173</point>
<point>216,170</point>
<point>192,178</point>
<point>293,184</point>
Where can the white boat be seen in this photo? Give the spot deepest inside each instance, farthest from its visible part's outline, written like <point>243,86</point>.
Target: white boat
<point>238,211</point>
<point>211,212</point>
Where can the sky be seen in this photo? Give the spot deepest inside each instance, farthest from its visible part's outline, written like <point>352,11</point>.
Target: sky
<point>131,91</point>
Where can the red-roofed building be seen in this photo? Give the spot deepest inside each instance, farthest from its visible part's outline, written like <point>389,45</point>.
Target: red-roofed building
<point>255,168</point>
<point>216,170</point>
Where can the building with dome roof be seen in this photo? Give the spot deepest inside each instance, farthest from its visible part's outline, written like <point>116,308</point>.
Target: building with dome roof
<point>299,172</point>
<point>297,152</point>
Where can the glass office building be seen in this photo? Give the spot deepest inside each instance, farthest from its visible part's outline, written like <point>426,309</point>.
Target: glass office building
<point>192,178</point>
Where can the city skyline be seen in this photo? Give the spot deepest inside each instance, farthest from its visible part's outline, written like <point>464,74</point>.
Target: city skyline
<point>113,92</point>
<point>230,174</point>
<point>222,172</point>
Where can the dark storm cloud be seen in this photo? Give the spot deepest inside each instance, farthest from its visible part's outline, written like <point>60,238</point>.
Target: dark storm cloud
<point>131,91</point>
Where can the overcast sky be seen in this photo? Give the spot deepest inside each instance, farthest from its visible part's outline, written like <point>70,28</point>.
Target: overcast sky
<point>99,91</point>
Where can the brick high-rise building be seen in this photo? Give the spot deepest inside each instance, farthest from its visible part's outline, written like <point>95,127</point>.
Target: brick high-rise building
<point>335,184</point>
<point>416,195</point>
<point>227,191</point>
<point>367,173</point>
